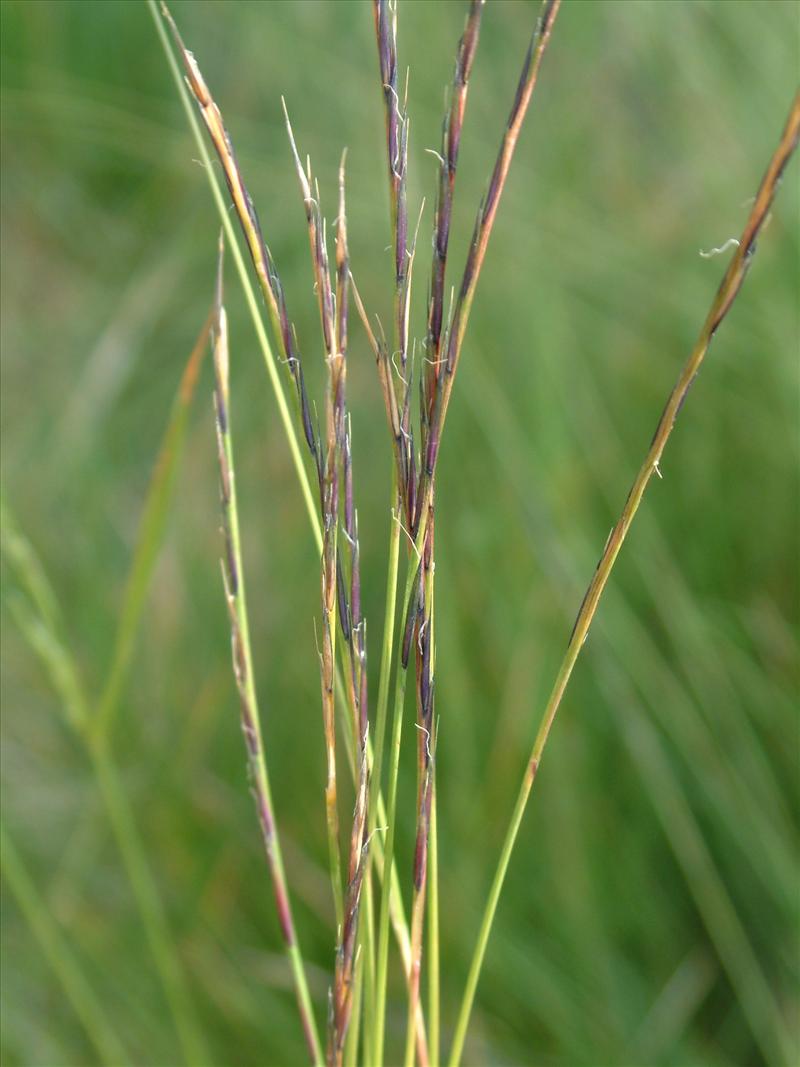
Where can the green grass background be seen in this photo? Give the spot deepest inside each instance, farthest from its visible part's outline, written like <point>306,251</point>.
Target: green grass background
<point>660,847</point>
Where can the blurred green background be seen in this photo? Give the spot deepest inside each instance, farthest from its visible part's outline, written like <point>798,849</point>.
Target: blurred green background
<point>651,910</point>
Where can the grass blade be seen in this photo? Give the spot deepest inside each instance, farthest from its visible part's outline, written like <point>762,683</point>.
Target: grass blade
<point>39,619</point>
<point>708,888</point>
<point>67,969</point>
<point>150,536</point>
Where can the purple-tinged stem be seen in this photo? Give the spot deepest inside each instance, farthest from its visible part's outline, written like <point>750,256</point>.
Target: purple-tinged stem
<point>233,576</point>
<point>484,224</point>
<point>448,163</point>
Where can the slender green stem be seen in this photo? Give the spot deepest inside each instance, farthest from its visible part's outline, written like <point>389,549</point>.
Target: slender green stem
<point>390,612</point>
<point>386,651</point>
<point>351,1044</point>
<point>396,909</point>
<point>726,294</point>
<point>390,890</point>
<point>76,988</point>
<point>433,885</point>
<point>476,256</point>
<point>368,994</point>
<point>433,933</point>
<point>426,747</point>
<point>399,923</point>
<point>391,817</point>
<point>376,854</point>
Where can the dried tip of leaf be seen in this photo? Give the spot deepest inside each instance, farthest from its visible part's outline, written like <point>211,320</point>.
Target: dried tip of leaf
<point>196,82</point>
<point>301,174</point>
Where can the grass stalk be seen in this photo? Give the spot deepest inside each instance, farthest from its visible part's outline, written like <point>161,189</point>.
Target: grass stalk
<point>434,1012</point>
<point>429,734</point>
<point>353,1039</point>
<point>384,680</point>
<point>426,747</point>
<point>424,658</point>
<point>235,595</point>
<point>484,224</point>
<point>390,611</point>
<point>397,127</point>
<point>77,989</point>
<point>507,438</point>
<point>448,165</point>
<point>368,960</point>
<point>398,412</point>
<point>410,598</point>
<point>341,569</point>
<point>418,498</point>
<point>354,627</point>
<point>726,294</point>
<point>443,212</point>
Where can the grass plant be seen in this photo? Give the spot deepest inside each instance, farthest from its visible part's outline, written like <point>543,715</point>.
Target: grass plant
<point>383,797</point>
